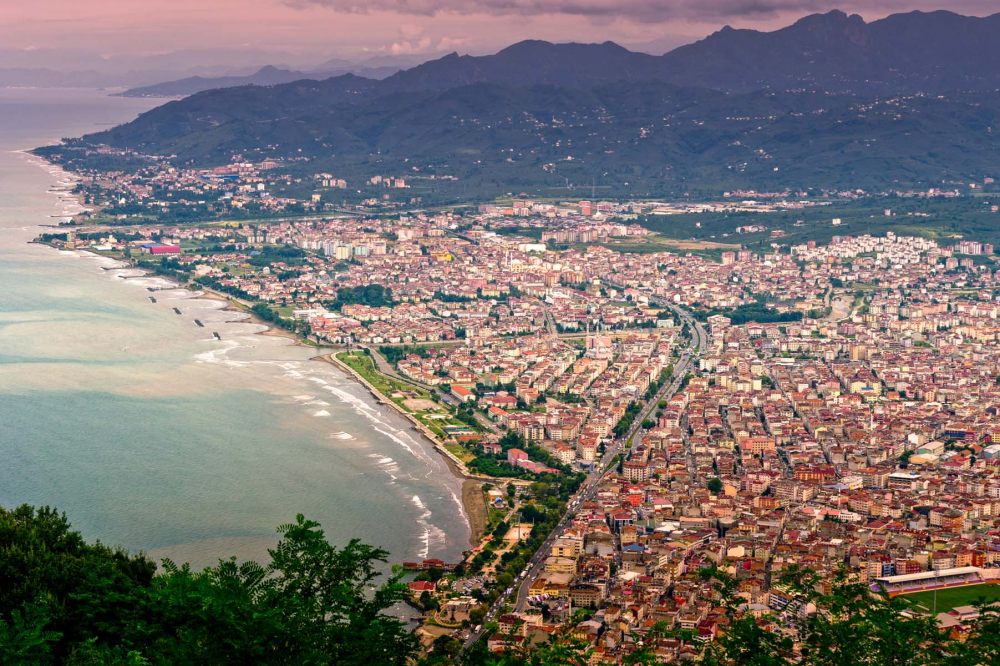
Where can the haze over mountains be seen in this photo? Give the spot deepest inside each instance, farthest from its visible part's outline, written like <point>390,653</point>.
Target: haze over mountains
<point>806,105</point>
<point>916,51</point>
<point>185,71</point>
<point>268,75</point>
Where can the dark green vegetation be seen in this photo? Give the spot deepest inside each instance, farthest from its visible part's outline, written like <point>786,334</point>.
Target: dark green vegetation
<point>374,295</point>
<point>752,312</point>
<point>946,220</point>
<point>64,601</point>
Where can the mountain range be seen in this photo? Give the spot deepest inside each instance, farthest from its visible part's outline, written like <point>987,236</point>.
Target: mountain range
<point>828,101</point>
<point>268,75</point>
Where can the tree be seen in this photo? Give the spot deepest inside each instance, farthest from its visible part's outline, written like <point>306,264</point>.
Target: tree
<point>65,601</point>
<point>427,601</point>
<point>447,646</point>
<point>714,485</point>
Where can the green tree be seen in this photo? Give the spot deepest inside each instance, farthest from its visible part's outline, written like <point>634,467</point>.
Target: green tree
<point>65,601</point>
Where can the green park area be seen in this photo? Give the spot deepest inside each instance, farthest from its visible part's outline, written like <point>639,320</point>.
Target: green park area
<point>421,403</point>
<point>953,597</point>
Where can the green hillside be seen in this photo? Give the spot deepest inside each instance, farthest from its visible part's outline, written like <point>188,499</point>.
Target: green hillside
<point>636,139</point>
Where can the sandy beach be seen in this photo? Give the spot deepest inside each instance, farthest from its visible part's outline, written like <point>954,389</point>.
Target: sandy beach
<point>475,509</point>
<point>472,496</point>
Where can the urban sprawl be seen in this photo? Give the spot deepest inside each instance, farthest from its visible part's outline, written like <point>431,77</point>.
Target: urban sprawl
<point>634,418</point>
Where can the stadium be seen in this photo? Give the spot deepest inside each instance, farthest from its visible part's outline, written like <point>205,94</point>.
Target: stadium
<point>941,590</point>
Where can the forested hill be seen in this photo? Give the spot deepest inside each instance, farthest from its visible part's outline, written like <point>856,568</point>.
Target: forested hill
<point>830,101</point>
<point>638,137</point>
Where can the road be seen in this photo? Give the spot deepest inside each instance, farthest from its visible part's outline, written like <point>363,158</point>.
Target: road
<point>587,491</point>
<point>386,369</point>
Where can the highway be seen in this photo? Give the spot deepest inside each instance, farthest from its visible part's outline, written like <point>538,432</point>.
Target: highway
<point>696,347</point>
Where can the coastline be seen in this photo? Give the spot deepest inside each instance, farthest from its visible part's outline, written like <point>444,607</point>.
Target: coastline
<point>473,502</point>
<point>249,317</point>
<point>472,497</point>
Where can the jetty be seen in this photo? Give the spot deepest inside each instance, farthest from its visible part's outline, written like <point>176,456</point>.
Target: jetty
<point>429,564</point>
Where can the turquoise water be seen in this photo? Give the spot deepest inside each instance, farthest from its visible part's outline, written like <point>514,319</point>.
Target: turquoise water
<point>150,433</point>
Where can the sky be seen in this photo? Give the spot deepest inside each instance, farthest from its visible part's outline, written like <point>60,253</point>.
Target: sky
<point>302,31</point>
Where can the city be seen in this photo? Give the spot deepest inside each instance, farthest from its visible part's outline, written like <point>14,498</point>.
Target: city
<point>584,333</point>
<point>821,405</point>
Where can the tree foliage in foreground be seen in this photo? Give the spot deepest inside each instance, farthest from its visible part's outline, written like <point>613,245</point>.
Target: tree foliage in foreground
<point>63,601</point>
<point>841,624</point>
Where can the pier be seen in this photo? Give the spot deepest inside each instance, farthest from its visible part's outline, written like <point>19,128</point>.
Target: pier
<point>429,564</point>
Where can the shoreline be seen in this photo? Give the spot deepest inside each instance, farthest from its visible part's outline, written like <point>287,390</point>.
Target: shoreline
<point>269,329</point>
<point>472,500</point>
<point>473,503</point>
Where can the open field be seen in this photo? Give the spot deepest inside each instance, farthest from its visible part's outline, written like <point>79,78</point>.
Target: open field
<point>951,597</point>
<point>408,397</point>
<point>944,220</point>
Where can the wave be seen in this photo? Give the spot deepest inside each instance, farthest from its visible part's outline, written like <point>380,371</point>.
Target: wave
<point>461,507</point>
<point>364,409</point>
<point>216,355</point>
<point>431,534</point>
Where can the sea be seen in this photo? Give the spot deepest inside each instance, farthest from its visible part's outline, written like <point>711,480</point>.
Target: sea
<point>150,433</point>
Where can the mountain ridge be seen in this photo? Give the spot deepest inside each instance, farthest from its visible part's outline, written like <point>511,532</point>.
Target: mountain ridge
<point>832,99</point>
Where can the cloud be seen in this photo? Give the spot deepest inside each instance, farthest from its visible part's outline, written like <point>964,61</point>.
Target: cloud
<point>637,10</point>
<point>406,46</point>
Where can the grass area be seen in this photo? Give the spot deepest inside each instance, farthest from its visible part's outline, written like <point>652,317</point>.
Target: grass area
<point>365,366</point>
<point>460,452</point>
<point>399,392</point>
<point>952,597</point>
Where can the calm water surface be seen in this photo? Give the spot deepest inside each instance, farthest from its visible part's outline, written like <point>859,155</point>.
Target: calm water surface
<point>150,433</point>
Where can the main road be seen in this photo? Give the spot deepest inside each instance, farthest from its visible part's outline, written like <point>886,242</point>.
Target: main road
<point>519,591</point>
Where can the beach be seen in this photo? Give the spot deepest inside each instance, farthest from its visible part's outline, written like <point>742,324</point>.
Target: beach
<point>473,502</point>
<point>151,433</point>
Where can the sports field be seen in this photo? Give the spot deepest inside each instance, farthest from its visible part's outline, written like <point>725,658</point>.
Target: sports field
<point>953,596</point>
